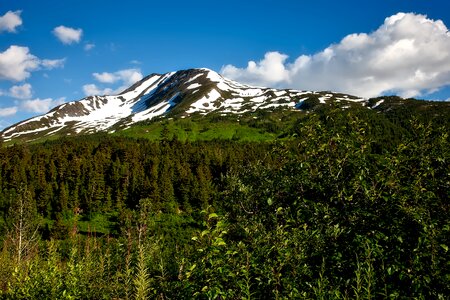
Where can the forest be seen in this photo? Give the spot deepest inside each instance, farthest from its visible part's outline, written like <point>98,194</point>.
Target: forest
<point>335,204</point>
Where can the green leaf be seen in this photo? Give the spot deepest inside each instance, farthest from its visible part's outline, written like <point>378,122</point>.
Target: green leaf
<point>445,247</point>
<point>219,242</point>
<point>212,215</point>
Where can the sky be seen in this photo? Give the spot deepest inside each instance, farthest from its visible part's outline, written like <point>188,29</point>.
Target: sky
<point>57,51</point>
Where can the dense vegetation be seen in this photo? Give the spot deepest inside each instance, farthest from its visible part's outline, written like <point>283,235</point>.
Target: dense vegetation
<point>345,204</point>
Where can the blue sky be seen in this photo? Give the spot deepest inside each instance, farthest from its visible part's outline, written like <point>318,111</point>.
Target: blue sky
<point>57,51</point>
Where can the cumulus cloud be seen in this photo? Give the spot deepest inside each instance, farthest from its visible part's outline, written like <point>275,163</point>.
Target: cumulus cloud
<point>8,111</point>
<point>53,63</point>
<point>24,91</point>
<point>68,35</point>
<point>17,63</point>
<point>268,71</point>
<point>10,21</point>
<point>130,76</point>
<point>409,54</point>
<point>106,77</point>
<point>92,89</point>
<point>125,78</point>
<point>41,105</point>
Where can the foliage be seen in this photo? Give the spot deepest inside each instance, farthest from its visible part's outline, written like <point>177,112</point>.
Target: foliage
<point>349,204</point>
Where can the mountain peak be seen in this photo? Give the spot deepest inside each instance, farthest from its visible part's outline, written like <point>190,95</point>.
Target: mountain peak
<point>182,93</point>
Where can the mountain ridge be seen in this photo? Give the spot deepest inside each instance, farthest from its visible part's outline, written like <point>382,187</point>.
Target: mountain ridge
<point>179,94</point>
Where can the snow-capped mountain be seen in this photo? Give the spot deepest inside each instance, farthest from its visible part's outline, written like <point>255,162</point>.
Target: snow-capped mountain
<point>180,94</point>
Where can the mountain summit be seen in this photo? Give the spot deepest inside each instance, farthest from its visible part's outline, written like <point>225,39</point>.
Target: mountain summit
<point>178,94</point>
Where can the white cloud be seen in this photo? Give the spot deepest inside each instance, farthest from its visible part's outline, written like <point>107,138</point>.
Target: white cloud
<point>8,111</point>
<point>68,35</point>
<point>125,78</point>
<point>10,21</point>
<point>106,77</point>
<point>89,46</point>
<point>92,89</point>
<point>409,55</point>
<point>129,76</point>
<point>17,63</point>
<point>24,91</point>
<point>271,70</point>
<point>41,105</point>
<point>53,63</point>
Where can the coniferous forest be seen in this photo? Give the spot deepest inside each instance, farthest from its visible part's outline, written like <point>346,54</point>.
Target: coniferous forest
<point>342,204</point>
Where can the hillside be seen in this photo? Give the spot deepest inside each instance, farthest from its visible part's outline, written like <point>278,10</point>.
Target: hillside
<point>179,94</point>
<point>192,100</point>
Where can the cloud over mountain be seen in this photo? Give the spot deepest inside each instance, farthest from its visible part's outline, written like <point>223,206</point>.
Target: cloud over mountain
<point>124,77</point>
<point>409,54</point>
<point>41,105</point>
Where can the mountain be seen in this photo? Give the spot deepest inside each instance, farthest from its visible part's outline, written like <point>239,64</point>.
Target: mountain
<point>181,94</point>
<point>187,93</point>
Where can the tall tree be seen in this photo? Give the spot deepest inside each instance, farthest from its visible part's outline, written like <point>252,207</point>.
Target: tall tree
<point>24,230</point>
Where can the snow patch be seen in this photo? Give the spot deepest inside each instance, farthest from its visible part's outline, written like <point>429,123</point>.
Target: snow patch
<point>204,102</point>
<point>193,86</point>
<point>378,103</point>
<point>152,81</point>
<point>356,100</point>
<point>155,110</point>
<point>259,99</point>
<point>213,76</point>
<point>279,93</point>
<point>251,92</point>
<point>193,78</point>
